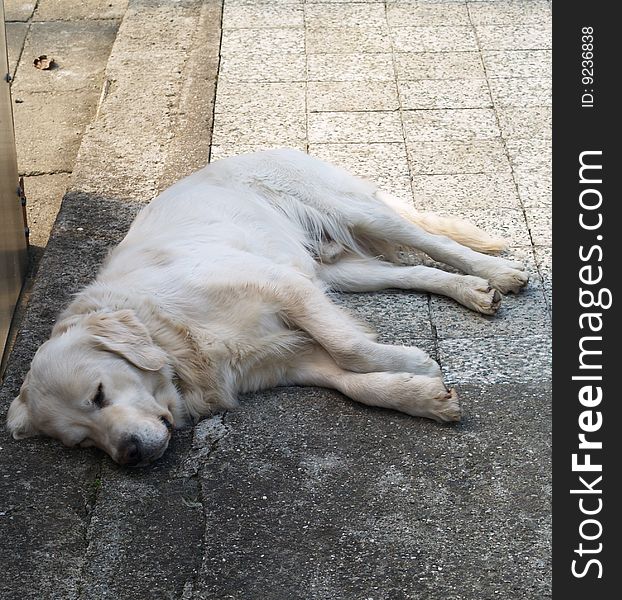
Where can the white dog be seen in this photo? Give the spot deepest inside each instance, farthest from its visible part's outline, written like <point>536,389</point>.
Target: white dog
<point>219,288</point>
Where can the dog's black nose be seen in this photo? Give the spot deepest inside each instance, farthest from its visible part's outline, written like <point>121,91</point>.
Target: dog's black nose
<point>131,453</point>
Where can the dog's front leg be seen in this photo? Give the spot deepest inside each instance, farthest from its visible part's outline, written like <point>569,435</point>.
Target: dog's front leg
<point>416,395</point>
<point>307,307</point>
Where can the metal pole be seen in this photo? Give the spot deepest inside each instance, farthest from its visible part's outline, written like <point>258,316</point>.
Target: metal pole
<point>13,242</point>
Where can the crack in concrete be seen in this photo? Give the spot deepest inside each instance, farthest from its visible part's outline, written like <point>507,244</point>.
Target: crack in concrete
<point>207,436</point>
<point>89,508</point>
<point>206,439</point>
<point>40,173</point>
<point>211,130</point>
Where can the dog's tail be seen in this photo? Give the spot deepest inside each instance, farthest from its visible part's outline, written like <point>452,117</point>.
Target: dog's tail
<point>455,228</point>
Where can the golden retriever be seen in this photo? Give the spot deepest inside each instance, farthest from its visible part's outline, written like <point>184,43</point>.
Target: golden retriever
<point>219,288</point>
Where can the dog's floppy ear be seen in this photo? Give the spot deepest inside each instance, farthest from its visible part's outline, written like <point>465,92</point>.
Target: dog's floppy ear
<point>62,325</point>
<point>122,333</point>
<point>18,418</point>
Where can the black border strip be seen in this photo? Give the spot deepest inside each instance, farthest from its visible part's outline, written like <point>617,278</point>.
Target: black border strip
<point>586,119</point>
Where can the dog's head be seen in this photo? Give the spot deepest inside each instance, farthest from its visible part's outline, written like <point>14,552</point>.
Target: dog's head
<point>99,381</point>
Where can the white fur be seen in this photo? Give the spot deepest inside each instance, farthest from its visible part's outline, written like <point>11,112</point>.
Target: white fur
<point>219,288</point>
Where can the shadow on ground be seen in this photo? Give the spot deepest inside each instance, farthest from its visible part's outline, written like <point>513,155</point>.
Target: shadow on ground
<point>298,494</point>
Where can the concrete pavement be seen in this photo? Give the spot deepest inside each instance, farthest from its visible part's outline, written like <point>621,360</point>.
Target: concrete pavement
<point>302,493</point>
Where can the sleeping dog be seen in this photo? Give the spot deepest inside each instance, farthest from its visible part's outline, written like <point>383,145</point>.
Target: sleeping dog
<point>219,288</point>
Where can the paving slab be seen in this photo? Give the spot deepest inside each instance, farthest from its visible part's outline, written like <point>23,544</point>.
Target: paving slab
<point>348,96</point>
<point>350,67</point>
<point>262,41</point>
<point>424,14</point>
<point>517,63</point>
<point>544,261</point>
<point>451,124</point>
<point>510,12</point>
<point>49,128</point>
<point>262,3</point>
<point>67,10</point>
<point>330,1</point>
<point>521,91</point>
<point>539,222</point>
<point>531,164</point>
<point>139,96</point>
<point>146,531</point>
<point>456,192</point>
<point>15,36</point>
<point>399,317</point>
<point>491,361</point>
<point>354,127</point>
<point>514,37</point>
<point>440,158</point>
<point>19,10</point>
<point>379,162</point>
<point>453,320</point>
<point>266,130</point>
<point>434,39</point>
<point>412,66</point>
<point>530,157</point>
<point>80,51</point>
<point>230,147</point>
<point>46,497</point>
<point>369,15</point>
<point>241,16</point>
<point>444,93</point>
<point>259,99</point>
<point>264,68</point>
<point>526,122</point>
<point>352,502</point>
<point>347,40</point>
<point>535,193</point>
<point>193,116</point>
<point>44,194</point>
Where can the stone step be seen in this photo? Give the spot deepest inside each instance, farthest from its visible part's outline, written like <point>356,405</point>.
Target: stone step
<point>152,125</point>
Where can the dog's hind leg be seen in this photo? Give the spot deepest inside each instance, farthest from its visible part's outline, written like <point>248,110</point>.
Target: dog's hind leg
<point>350,209</point>
<point>415,395</point>
<point>457,229</point>
<point>354,274</point>
<point>376,221</point>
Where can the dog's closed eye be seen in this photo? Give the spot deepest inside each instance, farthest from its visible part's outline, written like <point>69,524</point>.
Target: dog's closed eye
<point>99,399</point>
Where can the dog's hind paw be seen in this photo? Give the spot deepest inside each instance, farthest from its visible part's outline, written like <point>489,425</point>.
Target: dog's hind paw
<point>509,281</point>
<point>507,276</point>
<point>478,295</point>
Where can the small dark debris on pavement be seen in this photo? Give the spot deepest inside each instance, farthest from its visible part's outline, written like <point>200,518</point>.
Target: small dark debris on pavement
<point>44,63</point>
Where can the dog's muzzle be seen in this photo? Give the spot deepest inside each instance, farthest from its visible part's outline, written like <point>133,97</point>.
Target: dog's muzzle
<point>135,453</point>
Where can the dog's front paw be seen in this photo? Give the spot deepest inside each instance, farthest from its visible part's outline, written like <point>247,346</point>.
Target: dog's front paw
<point>427,397</point>
<point>429,367</point>
<point>446,407</point>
